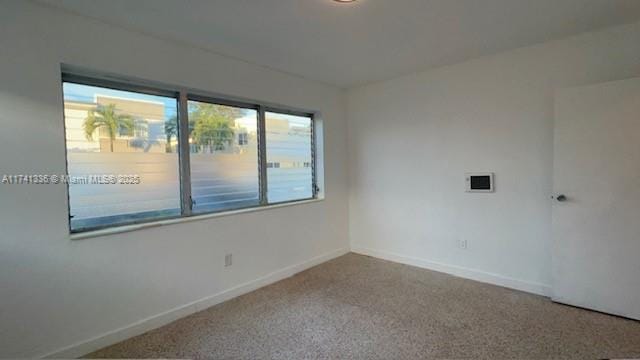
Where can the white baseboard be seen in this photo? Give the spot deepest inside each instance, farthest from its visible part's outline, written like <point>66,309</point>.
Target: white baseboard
<point>153,322</point>
<point>477,275</point>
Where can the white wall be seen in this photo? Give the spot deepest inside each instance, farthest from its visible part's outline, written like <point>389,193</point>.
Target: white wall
<point>411,140</point>
<point>55,292</point>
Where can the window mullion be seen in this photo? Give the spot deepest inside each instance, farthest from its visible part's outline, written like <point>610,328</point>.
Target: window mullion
<point>314,180</point>
<point>262,155</point>
<point>184,154</point>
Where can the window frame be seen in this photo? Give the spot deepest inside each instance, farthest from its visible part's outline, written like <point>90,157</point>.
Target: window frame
<point>263,121</point>
<point>236,104</point>
<point>183,96</point>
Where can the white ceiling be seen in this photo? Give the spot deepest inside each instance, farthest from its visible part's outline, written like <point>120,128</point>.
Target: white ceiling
<point>356,43</point>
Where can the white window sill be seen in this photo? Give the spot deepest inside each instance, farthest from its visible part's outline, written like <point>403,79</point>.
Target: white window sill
<point>134,227</point>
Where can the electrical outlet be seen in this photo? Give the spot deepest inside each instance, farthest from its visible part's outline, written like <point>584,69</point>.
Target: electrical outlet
<point>462,244</point>
<point>228,260</point>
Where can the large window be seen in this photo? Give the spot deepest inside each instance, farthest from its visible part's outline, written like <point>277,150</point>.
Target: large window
<point>137,153</point>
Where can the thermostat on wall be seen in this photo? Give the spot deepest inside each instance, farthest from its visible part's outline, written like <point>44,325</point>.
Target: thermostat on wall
<point>479,182</point>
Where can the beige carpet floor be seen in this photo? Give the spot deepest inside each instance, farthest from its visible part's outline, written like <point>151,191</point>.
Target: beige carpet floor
<point>357,307</point>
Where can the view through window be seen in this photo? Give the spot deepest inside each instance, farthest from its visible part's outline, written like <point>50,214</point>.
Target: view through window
<point>288,140</point>
<point>223,143</point>
<point>124,162</point>
<point>121,156</point>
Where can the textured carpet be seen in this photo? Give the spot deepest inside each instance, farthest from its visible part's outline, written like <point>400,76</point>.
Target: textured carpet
<point>363,308</point>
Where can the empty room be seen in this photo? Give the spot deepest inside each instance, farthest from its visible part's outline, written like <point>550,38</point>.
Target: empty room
<point>320,179</point>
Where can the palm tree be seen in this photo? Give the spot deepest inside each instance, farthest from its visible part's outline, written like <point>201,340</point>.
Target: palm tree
<point>106,117</point>
<point>170,131</point>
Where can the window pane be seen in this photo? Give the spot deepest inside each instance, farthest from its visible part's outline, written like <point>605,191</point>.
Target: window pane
<point>120,136</point>
<point>289,172</point>
<point>224,157</point>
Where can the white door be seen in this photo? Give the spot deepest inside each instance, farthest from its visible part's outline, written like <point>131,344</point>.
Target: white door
<point>596,229</point>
